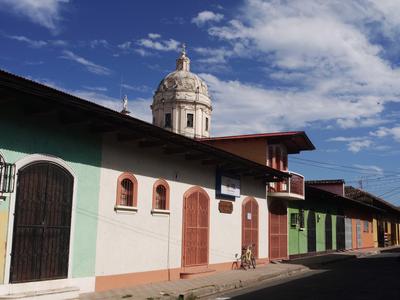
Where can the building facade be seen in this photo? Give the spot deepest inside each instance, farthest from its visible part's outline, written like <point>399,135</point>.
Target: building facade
<point>272,149</point>
<point>102,200</point>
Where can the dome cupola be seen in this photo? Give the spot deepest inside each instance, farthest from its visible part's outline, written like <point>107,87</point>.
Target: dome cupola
<point>181,102</point>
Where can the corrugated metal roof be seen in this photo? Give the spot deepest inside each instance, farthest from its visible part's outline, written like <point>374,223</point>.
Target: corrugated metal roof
<point>16,87</point>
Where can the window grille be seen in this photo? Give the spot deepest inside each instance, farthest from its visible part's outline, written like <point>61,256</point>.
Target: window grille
<point>7,176</point>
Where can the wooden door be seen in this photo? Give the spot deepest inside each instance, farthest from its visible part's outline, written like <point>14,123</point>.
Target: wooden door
<point>42,222</point>
<point>358,233</point>
<point>278,230</point>
<point>340,233</point>
<point>196,228</point>
<point>250,224</point>
<point>328,232</point>
<point>311,232</point>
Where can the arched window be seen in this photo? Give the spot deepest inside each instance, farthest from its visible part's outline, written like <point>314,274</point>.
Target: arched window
<point>161,196</point>
<point>126,191</point>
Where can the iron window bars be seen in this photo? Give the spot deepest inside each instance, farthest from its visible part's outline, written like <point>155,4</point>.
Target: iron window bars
<point>7,177</point>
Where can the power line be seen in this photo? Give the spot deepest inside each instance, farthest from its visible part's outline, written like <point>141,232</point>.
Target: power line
<point>389,192</point>
<point>343,166</point>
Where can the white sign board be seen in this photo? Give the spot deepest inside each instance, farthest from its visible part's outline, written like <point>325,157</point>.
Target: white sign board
<point>230,186</point>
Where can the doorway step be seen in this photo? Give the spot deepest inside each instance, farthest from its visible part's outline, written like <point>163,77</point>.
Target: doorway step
<point>53,294</point>
<point>193,272</point>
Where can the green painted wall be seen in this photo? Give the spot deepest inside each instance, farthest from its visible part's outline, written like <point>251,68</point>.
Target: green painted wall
<point>298,237</point>
<point>21,136</point>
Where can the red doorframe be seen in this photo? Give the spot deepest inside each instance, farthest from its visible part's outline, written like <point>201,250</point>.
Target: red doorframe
<point>251,225</point>
<point>278,230</point>
<point>188,193</point>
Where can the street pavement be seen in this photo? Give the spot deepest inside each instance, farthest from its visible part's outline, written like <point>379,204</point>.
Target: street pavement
<point>371,277</point>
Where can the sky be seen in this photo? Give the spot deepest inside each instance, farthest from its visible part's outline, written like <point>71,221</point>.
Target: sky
<point>327,67</point>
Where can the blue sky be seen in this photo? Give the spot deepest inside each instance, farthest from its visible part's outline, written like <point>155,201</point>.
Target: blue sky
<point>328,67</point>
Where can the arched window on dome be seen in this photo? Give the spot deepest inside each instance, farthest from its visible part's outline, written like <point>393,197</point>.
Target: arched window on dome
<point>126,192</point>
<point>161,196</point>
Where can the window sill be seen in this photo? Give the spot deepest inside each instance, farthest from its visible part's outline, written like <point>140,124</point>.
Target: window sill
<point>160,212</point>
<point>123,208</point>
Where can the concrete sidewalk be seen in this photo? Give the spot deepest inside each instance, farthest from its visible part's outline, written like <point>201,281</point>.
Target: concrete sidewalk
<point>227,280</point>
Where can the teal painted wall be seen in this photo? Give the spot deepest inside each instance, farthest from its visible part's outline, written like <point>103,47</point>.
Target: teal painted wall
<point>298,237</point>
<point>21,136</point>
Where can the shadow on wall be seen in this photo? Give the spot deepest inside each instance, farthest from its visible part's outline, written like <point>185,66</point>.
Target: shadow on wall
<point>152,162</point>
<point>46,135</point>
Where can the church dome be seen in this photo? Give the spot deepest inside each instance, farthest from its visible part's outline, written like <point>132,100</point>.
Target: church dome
<point>181,102</point>
<point>182,84</point>
<point>184,81</point>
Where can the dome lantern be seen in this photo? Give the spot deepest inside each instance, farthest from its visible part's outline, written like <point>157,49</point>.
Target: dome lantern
<point>183,62</point>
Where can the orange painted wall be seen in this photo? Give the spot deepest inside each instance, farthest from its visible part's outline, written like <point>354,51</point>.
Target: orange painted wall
<point>255,150</point>
<point>367,238</point>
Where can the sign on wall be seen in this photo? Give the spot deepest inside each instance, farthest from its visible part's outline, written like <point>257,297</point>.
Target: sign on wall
<point>227,186</point>
<point>230,186</point>
<point>225,207</point>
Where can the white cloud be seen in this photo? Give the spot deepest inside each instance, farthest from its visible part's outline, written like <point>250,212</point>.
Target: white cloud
<point>213,55</point>
<point>257,109</point>
<point>354,144</point>
<point>96,88</point>
<point>136,88</point>
<point>357,146</point>
<point>90,66</point>
<point>125,46</point>
<point>163,45</point>
<point>99,43</point>
<point>322,48</point>
<point>142,52</point>
<point>374,169</point>
<point>207,16</point>
<point>43,12</point>
<point>394,132</point>
<point>31,43</point>
<point>154,36</point>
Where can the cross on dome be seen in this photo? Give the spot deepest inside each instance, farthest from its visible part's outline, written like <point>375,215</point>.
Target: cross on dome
<point>183,62</point>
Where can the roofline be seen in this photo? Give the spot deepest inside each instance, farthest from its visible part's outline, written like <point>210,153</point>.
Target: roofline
<point>265,135</point>
<point>251,136</point>
<point>392,206</point>
<point>324,181</point>
<point>343,197</point>
<point>50,94</point>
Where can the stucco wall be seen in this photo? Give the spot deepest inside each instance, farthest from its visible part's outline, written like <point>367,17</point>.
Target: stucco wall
<point>298,237</point>
<point>22,136</point>
<point>130,242</point>
<point>254,149</point>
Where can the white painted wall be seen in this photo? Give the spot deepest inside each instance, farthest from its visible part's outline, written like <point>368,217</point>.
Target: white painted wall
<point>129,242</point>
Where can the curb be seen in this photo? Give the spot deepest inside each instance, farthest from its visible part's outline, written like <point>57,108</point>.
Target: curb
<point>209,290</point>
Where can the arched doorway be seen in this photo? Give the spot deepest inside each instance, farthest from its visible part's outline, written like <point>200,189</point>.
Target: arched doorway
<point>311,234</point>
<point>42,223</point>
<point>250,224</point>
<point>195,227</point>
<point>278,230</point>
<point>328,232</point>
